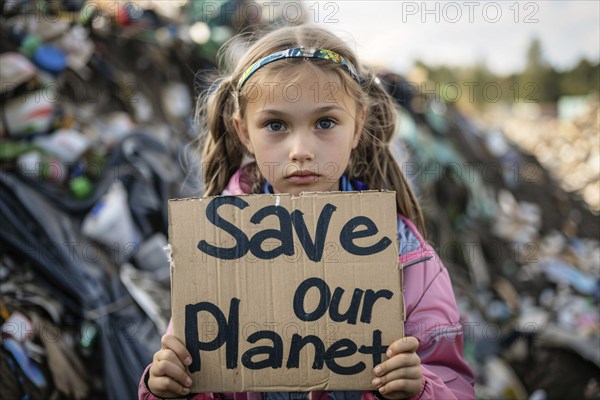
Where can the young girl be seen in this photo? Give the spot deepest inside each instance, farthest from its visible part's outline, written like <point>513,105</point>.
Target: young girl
<point>312,118</point>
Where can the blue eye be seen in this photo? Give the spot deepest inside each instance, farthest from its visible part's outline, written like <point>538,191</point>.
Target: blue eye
<point>274,126</point>
<point>325,123</point>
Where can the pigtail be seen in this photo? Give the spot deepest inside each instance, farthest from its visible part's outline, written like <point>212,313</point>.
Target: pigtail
<point>222,151</point>
<point>373,161</point>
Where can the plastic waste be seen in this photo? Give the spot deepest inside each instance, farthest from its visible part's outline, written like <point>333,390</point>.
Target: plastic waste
<point>110,224</point>
<point>137,285</point>
<point>142,108</point>
<point>539,394</point>
<point>114,127</point>
<point>50,58</point>
<point>28,366</point>
<point>18,327</point>
<point>15,69</point>
<point>502,380</point>
<point>516,221</point>
<point>176,100</point>
<point>81,187</point>
<point>66,144</point>
<point>42,167</point>
<point>32,113</point>
<point>88,336</point>
<point>79,49</point>
<point>559,271</point>
<point>152,255</point>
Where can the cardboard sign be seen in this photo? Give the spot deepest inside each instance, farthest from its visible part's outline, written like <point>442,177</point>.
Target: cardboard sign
<point>285,293</point>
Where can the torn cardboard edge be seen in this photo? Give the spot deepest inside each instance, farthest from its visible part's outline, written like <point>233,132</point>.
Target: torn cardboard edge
<point>333,304</point>
<point>279,195</point>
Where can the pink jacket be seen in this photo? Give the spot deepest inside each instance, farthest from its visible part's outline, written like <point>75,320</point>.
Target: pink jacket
<point>431,316</point>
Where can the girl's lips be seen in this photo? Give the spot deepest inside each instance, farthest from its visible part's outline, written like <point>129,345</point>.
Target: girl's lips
<point>303,179</point>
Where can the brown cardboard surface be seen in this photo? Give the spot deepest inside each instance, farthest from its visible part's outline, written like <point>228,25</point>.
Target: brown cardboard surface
<point>242,315</point>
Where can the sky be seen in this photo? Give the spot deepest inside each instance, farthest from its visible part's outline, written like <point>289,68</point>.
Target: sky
<point>396,33</point>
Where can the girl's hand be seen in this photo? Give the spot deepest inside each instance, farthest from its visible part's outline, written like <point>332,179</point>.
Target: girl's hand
<point>400,376</point>
<point>168,374</point>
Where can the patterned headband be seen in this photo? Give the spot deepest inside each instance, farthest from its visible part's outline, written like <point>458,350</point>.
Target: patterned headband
<point>299,52</point>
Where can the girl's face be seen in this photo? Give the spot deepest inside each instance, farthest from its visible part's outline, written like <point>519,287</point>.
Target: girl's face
<point>302,132</point>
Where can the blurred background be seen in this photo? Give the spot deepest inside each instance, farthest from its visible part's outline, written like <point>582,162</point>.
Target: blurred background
<point>498,134</point>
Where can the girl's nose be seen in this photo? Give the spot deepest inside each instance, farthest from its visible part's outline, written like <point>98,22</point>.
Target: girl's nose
<point>302,148</point>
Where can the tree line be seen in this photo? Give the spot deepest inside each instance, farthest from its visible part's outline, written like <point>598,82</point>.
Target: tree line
<point>538,82</point>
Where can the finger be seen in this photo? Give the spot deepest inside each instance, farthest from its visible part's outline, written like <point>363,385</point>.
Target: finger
<point>398,361</point>
<point>172,371</point>
<point>160,361</point>
<point>166,387</point>
<point>402,373</point>
<point>172,343</point>
<point>404,345</point>
<point>401,388</point>
<point>167,355</point>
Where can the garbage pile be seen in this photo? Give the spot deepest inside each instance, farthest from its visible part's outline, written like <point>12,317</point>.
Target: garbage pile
<point>96,135</point>
<point>523,253</point>
<point>96,126</point>
<point>570,150</point>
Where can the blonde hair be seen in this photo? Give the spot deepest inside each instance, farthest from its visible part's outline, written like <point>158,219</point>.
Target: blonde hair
<point>371,161</point>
